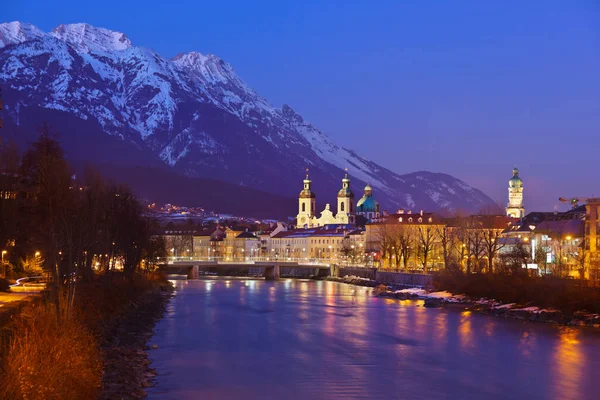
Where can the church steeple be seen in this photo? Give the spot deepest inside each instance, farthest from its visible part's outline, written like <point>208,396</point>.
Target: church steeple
<point>306,203</point>
<point>345,209</point>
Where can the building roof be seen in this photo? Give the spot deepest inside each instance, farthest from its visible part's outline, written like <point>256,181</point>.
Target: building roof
<point>205,232</point>
<point>499,222</point>
<point>533,219</point>
<point>246,235</point>
<point>327,230</point>
<point>408,219</point>
<point>573,227</point>
<point>238,228</point>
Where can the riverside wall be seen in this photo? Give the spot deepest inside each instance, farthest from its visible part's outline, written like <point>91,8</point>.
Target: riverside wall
<point>401,278</point>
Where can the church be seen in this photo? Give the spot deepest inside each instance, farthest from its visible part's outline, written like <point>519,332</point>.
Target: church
<point>346,209</point>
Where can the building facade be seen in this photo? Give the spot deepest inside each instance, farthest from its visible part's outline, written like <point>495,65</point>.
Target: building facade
<point>307,205</point>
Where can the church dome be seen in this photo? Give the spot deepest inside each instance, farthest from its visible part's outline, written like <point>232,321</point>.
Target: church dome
<point>515,181</point>
<point>306,193</point>
<point>345,191</point>
<point>367,203</point>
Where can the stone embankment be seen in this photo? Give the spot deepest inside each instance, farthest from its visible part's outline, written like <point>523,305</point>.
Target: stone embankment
<point>526,312</point>
<point>127,370</point>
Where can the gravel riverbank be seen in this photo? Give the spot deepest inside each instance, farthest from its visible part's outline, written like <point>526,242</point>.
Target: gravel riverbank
<point>127,370</point>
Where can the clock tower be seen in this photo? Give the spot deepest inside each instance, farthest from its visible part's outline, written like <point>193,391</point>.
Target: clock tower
<point>515,207</point>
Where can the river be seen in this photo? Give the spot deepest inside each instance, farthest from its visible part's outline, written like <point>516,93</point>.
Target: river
<point>294,339</point>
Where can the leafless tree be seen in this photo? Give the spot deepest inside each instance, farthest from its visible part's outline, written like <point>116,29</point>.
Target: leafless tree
<point>426,239</point>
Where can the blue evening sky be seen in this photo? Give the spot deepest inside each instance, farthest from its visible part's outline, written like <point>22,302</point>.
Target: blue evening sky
<point>469,88</point>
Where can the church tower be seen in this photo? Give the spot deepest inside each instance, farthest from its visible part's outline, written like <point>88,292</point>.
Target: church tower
<point>345,203</point>
<point>515,196</point>
<point>306,204</point>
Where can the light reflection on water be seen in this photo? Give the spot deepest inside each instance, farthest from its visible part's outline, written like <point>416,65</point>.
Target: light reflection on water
<point>250,339</point>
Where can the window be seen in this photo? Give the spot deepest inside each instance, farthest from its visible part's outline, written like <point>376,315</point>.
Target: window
<point>410,219</point>
<point>303,207</point>
<point>420,219</point>
<point>400,219</point>
<point>342,207</point>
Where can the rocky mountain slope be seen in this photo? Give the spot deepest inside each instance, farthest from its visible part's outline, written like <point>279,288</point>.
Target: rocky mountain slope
<point>192,114</point>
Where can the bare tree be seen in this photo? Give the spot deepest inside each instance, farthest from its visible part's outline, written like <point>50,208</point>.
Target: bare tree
<point>425,238</point>
<point>492,246</point>
<point>405,238</point>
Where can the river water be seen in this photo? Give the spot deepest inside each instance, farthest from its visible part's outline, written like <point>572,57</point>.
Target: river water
<point>293,339</point>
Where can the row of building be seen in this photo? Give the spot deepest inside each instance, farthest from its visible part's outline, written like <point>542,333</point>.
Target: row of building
<point>360,233</point>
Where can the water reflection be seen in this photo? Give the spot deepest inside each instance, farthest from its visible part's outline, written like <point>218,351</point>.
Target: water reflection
<point>230,339</point>
<point>465,333</point>
<point>569,361</point>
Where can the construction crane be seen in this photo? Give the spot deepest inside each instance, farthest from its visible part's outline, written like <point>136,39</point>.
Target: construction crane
<point>574,201</point>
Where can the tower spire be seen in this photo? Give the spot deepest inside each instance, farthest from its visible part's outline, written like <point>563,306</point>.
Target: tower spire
<point>515,207</point>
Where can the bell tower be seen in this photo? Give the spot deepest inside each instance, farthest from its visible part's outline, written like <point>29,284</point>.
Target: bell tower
<point>515,207</point>
<point>345,202</point>
<point>306,204</point>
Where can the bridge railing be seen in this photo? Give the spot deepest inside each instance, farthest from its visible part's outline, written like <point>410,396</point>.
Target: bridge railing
<point>244,260</point>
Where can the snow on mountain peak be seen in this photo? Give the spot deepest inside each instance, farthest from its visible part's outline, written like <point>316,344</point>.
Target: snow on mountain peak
<point>18,32</point>
<point>209,67</point>
<point>195,113</point>
<point>86,38</point>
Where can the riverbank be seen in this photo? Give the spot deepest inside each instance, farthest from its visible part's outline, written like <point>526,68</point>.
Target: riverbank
<point>432,298</point>
<point>127,371</point>
<point>97,350</point>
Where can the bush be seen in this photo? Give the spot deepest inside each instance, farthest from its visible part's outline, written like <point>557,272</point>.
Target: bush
<point>4,285</point>
<point>50,360</point>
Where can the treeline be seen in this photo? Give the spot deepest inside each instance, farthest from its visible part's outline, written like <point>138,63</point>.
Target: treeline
<point>68,228</point>
<point>468,243</point>
<point>476,244</point>
<point>91,239</point>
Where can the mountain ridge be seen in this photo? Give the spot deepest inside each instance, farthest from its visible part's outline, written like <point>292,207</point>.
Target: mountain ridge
<point>197,115</point>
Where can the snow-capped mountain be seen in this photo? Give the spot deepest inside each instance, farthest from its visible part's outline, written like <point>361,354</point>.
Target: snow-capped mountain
<point>195,114</point>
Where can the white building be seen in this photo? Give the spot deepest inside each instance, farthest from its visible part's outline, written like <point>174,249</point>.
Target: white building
<point>306,207</point>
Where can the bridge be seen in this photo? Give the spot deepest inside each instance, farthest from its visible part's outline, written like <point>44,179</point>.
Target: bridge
<point>271,267</point>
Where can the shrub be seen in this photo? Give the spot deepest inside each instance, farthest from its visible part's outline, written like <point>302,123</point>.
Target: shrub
<point>50,360</point>
<point>4,285</point>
